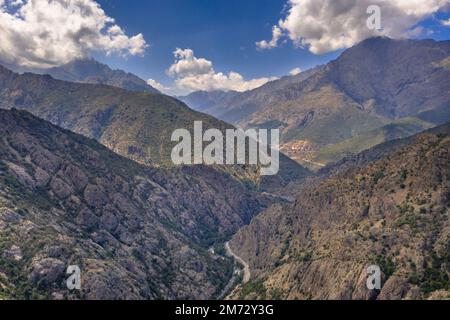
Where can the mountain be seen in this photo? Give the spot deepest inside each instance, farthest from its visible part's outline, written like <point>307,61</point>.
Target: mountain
<point>232,106</point>
<point>208,101</point>
<point>136,125</point>
<point>92,71</point>
<point>388,206</point>
<point>334,109</point>
<point>395,130</point>
<point>384,77</point>
<point>378,152</point>
<point>136,232</point>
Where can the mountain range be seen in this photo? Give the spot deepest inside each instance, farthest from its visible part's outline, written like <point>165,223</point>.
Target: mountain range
<point>137,125</point>
<point>375,91</point>
<point>89,70</point>
<point>86,179</point>
<point>388,206</point>
<point>137,232</point>
<point>211,102</point>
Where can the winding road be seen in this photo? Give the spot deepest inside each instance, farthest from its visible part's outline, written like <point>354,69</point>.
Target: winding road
<point>247,274</point>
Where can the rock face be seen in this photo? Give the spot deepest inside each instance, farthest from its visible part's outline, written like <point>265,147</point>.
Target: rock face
<point>135,125</point>
<point>208,102</point>
<point>92,71</point>
<point>376,91</point>
<point>391,210</point>
<point>135,232</point>
<point>234,106</point>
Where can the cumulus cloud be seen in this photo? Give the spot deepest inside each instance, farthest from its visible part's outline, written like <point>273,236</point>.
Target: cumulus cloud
<point>155,84</point>
<point>295,71</point>
<point>328,25</point>
<point>44,33</point>
<point>276,35</point>
<point>187,64</point>
<point>196,74</point>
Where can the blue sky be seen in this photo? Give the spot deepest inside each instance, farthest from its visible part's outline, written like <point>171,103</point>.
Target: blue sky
<point>224,44</point>
<point>223,31</point>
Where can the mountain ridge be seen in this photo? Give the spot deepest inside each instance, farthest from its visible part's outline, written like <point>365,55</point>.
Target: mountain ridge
<point>136,232</point>
<point>89,70</point>
<point>333,110</point>
<point>136,125</point>
<point>388,206</point>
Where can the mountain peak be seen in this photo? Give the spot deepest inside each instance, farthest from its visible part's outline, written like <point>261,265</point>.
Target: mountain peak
<point>4,70</point>
<point>380,42</point>
<point>89,70</point>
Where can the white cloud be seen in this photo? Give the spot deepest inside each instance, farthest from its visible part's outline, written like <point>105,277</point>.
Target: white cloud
<point>295,71</point>
<point>219,81</point>
<point>16,3</point>
<point>276,35</point>
<point>44,33</point>
<point>328,25</point>
<point>186,64</point>
<point>446,22</point>
<point>155,84</point>
<point>195,74</point>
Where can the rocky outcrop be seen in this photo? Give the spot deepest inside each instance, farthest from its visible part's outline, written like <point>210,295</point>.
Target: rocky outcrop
<point>92,71</point>
<point>391,211</point>
<point>135,232</point>
<point>133,124</point>
<point>379,90</point>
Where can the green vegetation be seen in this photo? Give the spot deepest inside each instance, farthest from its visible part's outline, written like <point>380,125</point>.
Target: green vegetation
<point>339,125</point>
<point>306,257</point>
<point>377,176</point>
<point>386,264</point>
<point>256,287</point>
<point>398,129</point>
<point>17,286</point>
<point>124,120</point>
<point>435,273</point>
<point>276,294</point>
<point>410,219</point>
<point>154,225</point>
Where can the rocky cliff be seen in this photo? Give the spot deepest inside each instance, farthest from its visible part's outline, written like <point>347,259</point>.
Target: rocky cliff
<point>380,89</point>
<point>135,232</point>
<point>133,124</point>
<point>388,208</point>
